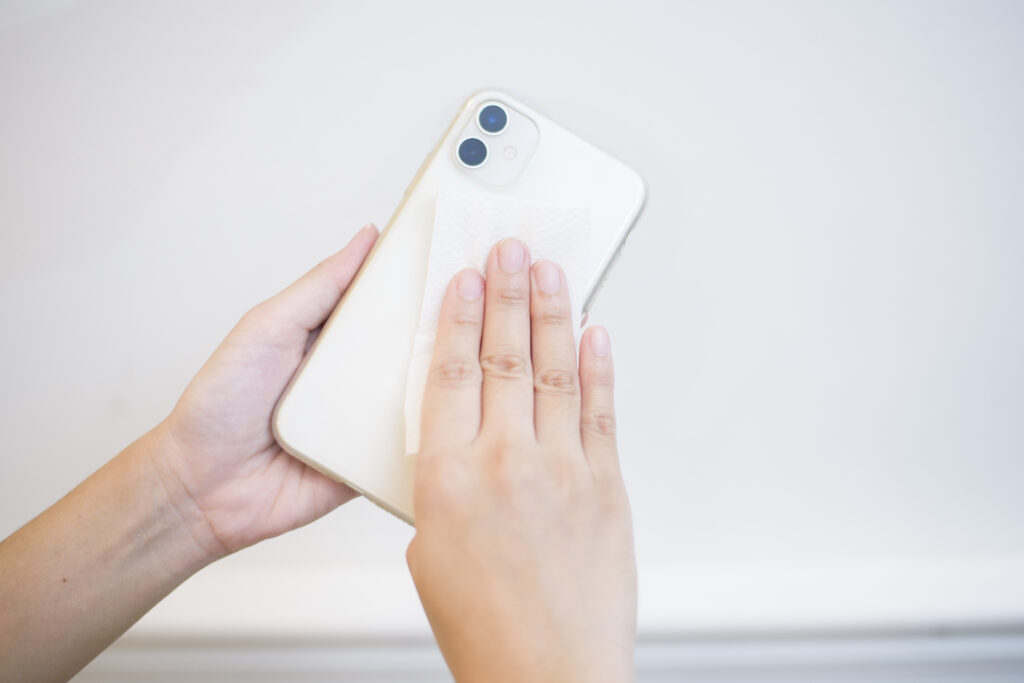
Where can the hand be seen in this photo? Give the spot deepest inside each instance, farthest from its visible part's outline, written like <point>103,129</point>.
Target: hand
<point>523,554</point>
<point>226,475</point>
<point>206,481</point>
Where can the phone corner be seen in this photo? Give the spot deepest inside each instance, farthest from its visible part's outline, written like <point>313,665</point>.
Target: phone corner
<point>276,419</point>
<point>639,193</point>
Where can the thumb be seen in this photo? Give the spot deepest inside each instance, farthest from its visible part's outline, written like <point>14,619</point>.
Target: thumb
<point>307,302</point>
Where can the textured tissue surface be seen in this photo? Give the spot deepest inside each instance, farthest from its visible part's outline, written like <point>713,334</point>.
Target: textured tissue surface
<point>466,226</point>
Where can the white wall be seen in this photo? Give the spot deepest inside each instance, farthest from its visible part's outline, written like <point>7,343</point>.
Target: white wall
<point>817,325</point>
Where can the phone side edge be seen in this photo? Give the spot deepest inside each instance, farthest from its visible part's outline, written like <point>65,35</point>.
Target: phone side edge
<point>605,269</point>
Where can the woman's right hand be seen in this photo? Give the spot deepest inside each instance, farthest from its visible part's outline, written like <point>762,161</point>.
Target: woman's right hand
<point>523,554</point>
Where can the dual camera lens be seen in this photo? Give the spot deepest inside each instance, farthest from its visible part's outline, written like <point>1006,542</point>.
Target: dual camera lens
<point>492,120</point>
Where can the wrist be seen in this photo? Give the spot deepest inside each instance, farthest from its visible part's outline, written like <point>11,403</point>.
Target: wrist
<point>158,459</point>
<point>76,577</point>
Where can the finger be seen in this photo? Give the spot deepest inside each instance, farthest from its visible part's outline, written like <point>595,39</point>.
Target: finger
<point>307,302</point>
<point>505,351</point>
<point>597,418</point>
<point>451,400</point>
<point>556,394</point>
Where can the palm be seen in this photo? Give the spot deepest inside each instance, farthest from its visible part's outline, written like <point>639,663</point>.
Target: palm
<point>244,485</point>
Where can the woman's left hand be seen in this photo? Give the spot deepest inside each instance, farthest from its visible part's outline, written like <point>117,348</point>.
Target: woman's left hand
<point>229,479</point>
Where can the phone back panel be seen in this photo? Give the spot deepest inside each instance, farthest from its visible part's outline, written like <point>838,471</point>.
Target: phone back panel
<point>343,411</point>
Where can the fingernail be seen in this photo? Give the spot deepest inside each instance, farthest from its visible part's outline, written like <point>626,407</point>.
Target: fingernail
<point>600,345</point>
<point>549,279</point>
<point>469,285</point>
<point>366,228</point>
<point>511,255</point>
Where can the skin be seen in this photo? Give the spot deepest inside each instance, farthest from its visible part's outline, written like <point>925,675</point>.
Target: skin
<point>205,482</point>
<point>523,553</point>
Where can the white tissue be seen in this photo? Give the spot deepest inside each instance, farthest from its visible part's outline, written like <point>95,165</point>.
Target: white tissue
<point>466,226</point>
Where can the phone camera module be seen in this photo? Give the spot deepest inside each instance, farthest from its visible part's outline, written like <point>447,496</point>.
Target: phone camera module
<point>472,152</point>
<point>492,119</point>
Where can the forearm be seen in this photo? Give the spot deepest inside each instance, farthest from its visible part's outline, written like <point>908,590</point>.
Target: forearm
<point>76,577</point>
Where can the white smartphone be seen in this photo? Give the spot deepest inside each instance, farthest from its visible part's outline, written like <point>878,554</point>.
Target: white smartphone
<point>343,411</point>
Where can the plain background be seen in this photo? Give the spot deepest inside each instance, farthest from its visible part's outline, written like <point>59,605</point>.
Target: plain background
<point>817,325</point>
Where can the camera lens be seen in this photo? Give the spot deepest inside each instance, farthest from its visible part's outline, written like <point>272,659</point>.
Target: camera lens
<point>472,152</point>
<point>493,119</point>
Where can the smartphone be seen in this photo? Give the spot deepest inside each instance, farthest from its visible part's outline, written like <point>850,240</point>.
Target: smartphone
<point>342,413</point>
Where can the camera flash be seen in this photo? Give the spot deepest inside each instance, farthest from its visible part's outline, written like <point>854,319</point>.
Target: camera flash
<point>510,152</point>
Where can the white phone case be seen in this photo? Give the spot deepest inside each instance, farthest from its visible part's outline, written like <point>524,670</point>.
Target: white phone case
<point>343,411</point>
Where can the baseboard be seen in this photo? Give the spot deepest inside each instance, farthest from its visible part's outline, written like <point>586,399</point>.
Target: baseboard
<point>974,658</point>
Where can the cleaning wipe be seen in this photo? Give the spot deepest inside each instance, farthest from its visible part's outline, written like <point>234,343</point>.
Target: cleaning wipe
<point>466,226</point>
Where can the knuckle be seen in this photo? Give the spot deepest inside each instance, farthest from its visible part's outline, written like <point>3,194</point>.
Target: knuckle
<point>512,296</point>
<point>505,364</point>
<point>599,377</point>
<point>556,381</point>
<point>517,473</point>
<point>259,320</point>
<point>598,422</point>
<point>551,316</point>
<point>254,316</point>
<point>466,319</point>
<point>525,478</point>
<point>511,452</point>
<point>456,372</point>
